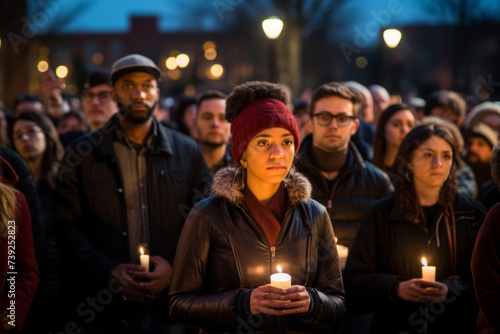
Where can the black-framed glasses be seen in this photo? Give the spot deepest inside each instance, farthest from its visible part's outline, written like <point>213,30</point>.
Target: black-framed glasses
<point>102,96</point>
<point>325,119</point>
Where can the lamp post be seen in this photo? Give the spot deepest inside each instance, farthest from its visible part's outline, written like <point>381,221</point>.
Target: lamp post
<point>392,37</point>
<point>272,27</point>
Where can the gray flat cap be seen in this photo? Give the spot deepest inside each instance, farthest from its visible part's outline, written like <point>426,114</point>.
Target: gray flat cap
<point>134,63</point>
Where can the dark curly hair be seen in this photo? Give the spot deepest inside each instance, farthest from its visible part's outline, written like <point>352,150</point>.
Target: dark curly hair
<point>495,165</point>
<point>252,91</point>
<point>402,177</point>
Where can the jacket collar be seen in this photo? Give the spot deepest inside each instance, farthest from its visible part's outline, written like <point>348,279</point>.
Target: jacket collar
<point>354,157</point>
<point>162,141</point>
<point>227,184</point>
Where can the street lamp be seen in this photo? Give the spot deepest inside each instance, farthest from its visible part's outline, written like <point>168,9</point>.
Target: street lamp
<point>392,37</point>
<point>272,27</point>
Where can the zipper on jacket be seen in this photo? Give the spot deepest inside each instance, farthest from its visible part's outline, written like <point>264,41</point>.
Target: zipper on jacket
<point>273,258</point>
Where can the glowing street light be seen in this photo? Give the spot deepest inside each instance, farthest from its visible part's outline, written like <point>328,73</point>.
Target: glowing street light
<point>272,27</point>
<point>392,37</point>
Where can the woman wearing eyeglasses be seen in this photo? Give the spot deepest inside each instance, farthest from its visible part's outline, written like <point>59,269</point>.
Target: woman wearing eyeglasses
<point>426,217</point>
<point>36,140</point>
<point>260,216</point>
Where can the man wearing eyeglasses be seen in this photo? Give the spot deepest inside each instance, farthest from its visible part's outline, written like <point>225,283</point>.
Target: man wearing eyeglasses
<point>97,102</point>
<point>342,181</point>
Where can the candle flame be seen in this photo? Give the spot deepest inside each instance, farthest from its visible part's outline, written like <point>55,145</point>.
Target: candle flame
<point>142,251</point>
<point>279,269</point>
<point>424,262</point>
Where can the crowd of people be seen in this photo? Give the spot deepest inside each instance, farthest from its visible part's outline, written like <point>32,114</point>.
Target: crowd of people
<point>122,216</point>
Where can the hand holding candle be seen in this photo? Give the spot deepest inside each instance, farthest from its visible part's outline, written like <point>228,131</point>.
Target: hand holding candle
<point>144,259</point>
<point>428,272</point>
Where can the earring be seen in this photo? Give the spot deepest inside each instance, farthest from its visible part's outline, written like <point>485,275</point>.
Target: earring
<point>408,177</point>
<point>244,165</point>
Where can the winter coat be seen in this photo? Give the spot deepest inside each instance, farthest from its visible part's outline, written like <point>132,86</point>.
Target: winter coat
<point>486,267</point>
<point>358,185</point>
<point>90,208</point>
<point>223,255</point>
<point>388,250</point>
<point>19,271</point>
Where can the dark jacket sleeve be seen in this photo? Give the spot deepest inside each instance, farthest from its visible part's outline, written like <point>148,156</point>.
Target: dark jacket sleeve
<point>327,292</point>
<point>486,266</point>
<point>68,215</point>
<point>26,278</point>
<point>366,288</point>
<point>189,303</point>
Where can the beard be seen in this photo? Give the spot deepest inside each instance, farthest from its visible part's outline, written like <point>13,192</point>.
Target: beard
<point>127,114</point>
<point>212,144</point>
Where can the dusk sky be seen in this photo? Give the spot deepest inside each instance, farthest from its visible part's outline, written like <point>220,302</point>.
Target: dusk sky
<point>113,15</point>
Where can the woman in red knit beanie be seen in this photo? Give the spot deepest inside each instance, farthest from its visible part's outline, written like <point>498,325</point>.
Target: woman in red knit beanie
<point>260,217</point>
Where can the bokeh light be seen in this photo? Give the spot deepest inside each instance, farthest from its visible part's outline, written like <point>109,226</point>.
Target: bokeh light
<point>182,60</point>
<point>62,71</point>
<point>217,70</point>
<point>210,54</point>
<point>42,66</point>
<point>171,63</point>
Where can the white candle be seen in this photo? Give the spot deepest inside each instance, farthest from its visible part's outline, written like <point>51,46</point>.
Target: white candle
<point>144,260</point>
<point>343,252</point>
<point>428,272</point>
<point>281,280</point>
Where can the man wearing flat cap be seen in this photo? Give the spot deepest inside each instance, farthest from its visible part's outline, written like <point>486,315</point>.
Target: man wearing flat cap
<point>129,189</point>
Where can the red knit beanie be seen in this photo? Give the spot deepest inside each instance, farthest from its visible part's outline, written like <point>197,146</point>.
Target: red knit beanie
<point>258,116</point>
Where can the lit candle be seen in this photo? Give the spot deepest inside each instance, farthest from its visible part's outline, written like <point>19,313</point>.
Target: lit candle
<point>144,259</point>
<point>342,251</point>
<point>428,272</point>
<point>281,280</point>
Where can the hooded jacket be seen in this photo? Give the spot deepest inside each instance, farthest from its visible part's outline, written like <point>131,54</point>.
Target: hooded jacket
<point>388,250</point>
<point>223,254</point>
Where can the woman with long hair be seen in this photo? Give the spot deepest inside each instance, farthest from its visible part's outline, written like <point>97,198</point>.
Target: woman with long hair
<point>394,124</point>
<point>425,218</point>
<point>260,217</point>
<point>36,140</point>
<point>19,271</point>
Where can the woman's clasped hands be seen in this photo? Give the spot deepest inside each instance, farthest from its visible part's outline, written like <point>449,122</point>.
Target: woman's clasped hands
<point>275,301</point>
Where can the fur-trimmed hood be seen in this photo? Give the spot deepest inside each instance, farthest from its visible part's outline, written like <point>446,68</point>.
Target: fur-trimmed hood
<point>227,184</point>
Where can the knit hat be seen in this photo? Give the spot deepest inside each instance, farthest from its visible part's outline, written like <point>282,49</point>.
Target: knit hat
<point>479,111</point>
<point>134,63</point>
<point>258,116</point>
<point>484,131</point>
<point>98,77</point>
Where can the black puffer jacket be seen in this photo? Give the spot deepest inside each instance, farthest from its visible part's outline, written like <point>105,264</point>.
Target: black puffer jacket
<point>223,254</point>
<point>358,185</point>
<point>388,250</point>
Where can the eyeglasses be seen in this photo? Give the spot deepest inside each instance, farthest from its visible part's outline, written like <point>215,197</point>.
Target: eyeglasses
<point>102,96</point>
<point>30,133</point>
<point>325,119</point>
